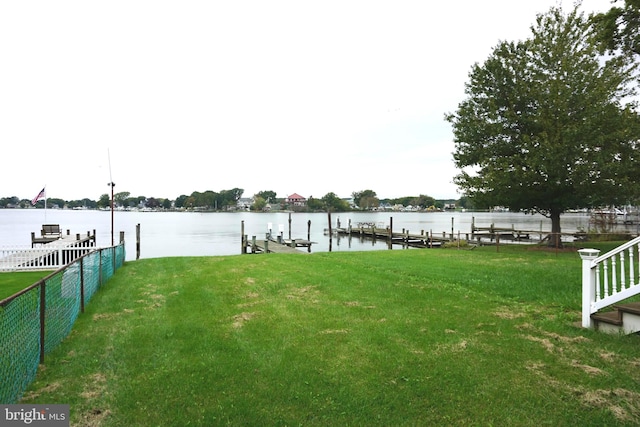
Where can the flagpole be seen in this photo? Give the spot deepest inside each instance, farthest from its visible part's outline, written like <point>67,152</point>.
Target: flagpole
<point>34,202</point>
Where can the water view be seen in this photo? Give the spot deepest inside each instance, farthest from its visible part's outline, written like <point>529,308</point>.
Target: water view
<point>166,234</point>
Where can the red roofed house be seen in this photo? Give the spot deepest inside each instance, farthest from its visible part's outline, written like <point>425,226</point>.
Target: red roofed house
<point>296,200</point>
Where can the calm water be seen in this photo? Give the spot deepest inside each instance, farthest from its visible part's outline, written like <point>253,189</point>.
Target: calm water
<point>186,233</point>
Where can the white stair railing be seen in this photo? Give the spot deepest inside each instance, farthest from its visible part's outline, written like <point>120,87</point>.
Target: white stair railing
<point>609,278</point>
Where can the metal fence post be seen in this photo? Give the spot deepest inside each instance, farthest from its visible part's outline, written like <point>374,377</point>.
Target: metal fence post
<point>100,268</point>
<point>43,312</point>
<point>82,284</point>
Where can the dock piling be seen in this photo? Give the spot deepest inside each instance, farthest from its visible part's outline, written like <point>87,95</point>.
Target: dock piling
<point>243,243</point>
<point>137,240</point>
<point>330,231</point>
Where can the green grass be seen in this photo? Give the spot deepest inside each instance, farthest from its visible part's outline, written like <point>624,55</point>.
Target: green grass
<point>403,337</point>
<point>12,283</point>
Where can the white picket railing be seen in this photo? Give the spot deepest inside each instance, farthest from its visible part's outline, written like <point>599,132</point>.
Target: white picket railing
<point>609,278</point>
<point>43,257</point>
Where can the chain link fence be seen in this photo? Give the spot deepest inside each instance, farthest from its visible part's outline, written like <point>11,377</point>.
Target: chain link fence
<point>35,321</point>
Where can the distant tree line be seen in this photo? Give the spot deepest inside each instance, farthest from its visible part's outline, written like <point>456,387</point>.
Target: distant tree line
<point>226,200</point>
<point>368,200</point>
<point>15,202</point>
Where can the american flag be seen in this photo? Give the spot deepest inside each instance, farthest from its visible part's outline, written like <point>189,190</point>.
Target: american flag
<point>38,197</point>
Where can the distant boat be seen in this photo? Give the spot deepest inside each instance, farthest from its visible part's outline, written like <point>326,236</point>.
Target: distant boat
<point>609,211</point>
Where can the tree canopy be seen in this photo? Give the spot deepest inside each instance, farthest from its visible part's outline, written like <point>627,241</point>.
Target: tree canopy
<point>619,28</point>
<point>548,124</point>
<point>210,199</point>
<point>365,199</point>
<point>329,202</point>
<point>268,195</point>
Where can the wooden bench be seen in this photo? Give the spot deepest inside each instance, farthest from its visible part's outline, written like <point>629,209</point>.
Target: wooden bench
<point>49,233</point>
<point>50,230</point>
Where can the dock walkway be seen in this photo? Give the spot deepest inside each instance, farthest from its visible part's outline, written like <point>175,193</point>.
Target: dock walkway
<point>422,240</point>
<point>274,246</point>
<point>493,233</point>
<point>47,256</point>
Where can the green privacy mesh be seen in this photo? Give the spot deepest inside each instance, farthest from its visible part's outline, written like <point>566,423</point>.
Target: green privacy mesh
<point>24,324</point>
<point>19,344</point>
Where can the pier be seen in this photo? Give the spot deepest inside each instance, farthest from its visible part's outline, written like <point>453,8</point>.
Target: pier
<point>383,233</point>
<point>270,245</point>
<point>493,233</point>
<point>405,238</point>
<point>363,230</point>
<point>275,245</point>
<point>49,252</point>
<point>373,231</point>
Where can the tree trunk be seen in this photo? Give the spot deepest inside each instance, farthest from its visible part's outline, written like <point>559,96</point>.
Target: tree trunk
<point>555,239</point>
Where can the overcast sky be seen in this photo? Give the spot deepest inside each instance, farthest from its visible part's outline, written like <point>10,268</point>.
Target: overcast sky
<point>296,96</point>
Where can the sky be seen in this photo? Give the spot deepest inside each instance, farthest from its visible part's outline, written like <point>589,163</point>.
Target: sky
<point>165,98</point>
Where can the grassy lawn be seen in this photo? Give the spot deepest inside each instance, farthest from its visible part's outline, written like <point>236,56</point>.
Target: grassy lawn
<point>11,283</point>
<point>390,338</point>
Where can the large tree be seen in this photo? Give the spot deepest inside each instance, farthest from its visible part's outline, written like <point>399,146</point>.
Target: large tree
<point>619,28</point>
<point>548,124</point>
<point>104,201</point>
<point>121,198</point>
<point>365,199</point>
<point>268,195</point>
<point>331,202</point>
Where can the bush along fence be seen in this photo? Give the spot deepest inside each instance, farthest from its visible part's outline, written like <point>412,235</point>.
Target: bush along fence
<point>35,321</point>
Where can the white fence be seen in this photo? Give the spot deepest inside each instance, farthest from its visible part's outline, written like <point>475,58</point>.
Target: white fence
<point>39,258</point>
<point>609,278</point>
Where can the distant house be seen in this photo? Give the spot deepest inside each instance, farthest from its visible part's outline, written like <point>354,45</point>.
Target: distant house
<point>245,203</point>
<point>296,200</point>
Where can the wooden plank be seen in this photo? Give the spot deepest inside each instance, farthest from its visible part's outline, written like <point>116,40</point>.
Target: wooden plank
<point>396,238</point>
<point>300,243</point>
<point>273,247</point>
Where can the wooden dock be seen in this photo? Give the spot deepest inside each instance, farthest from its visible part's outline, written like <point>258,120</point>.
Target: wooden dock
<point>254,246</point>
<point>506,233</point>
<point>47,256</point>
<point>405,238</point>
<point>494,235</point>
<point>275,245</point>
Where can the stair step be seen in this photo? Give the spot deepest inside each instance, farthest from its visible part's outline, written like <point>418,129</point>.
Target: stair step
<point>628,314</point>
<point>611,317</point>
<point>632,307</point>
